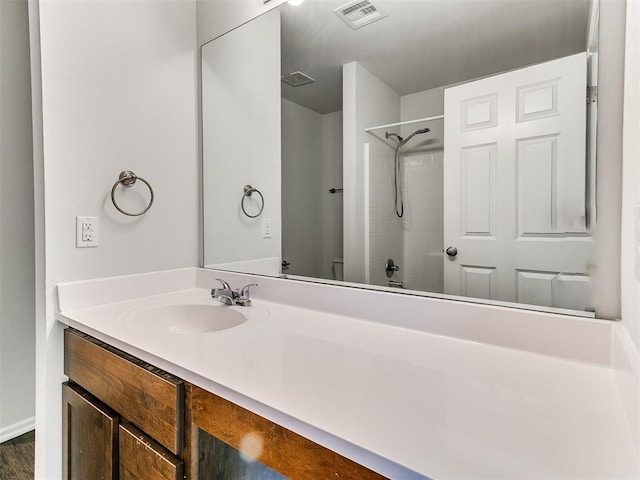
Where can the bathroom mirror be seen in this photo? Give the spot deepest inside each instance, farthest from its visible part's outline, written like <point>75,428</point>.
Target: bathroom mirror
<point>438,146</point>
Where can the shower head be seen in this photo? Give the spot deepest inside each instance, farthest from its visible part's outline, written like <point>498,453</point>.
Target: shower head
<point>417,132</point>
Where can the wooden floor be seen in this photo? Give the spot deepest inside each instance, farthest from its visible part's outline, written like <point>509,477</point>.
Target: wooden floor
<point>16,457</point>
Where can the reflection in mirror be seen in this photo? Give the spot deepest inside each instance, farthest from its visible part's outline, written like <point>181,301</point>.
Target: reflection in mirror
<point>241,147</point>
<point>448,139</point>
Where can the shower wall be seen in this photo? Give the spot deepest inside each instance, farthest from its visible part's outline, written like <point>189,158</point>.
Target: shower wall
<point>385,228</point>
<point>423,227</point>
<point>414,241</point>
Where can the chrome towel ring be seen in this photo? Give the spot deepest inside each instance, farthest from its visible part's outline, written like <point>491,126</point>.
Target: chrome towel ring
<point>128,179</point>
<point>248,191</point>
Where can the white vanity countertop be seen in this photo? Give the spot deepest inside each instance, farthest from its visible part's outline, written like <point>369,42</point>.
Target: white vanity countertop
<point>394,399</point>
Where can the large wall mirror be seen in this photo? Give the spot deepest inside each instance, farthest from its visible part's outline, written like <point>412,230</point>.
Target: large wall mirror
<point>437,146</point>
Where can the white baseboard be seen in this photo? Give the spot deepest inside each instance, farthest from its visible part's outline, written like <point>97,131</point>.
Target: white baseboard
<point>17,429</point>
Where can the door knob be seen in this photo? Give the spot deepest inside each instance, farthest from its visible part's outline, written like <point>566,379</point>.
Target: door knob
<point>451,251</point>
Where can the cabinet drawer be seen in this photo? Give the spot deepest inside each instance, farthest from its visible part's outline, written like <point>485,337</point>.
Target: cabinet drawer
<point>151,399</point>
<point>141,458</point>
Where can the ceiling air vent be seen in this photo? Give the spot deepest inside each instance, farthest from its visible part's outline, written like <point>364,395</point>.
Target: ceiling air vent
<point>359,13</point>
<point>296,79</point>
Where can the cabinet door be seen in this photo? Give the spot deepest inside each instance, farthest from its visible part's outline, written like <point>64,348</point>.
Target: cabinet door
<point>141,458</point>
<point>90,430</point>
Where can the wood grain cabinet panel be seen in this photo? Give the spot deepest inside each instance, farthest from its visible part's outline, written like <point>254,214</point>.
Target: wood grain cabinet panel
<point>146,396</point>
<point>276,447</point>
<point>141,458</point>
<point>90,432</point>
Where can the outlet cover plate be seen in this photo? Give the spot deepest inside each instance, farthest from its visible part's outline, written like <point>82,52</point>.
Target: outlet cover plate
<point>266,228</point>
<point>86,232</point>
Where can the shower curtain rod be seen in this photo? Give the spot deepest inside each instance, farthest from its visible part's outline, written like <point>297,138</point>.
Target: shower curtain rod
<point>407,122</point>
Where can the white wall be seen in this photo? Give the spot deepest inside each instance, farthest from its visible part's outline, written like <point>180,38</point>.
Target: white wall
<point>367,102</point>
<point>302,192</point>
<point>331,203</point>
<point>119,92</point>
<point>631,179</point>
<point>118,83</point>
<point>311,165</point>
<point>241,144</point>
<point>427,103</point>
<point>17,311</point>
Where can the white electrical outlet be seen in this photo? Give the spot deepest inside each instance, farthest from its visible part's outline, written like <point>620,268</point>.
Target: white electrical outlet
<point>266,228</point>
<point>86,232</point>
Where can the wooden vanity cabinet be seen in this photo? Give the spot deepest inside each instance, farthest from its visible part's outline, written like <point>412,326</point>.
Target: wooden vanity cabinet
<point>123,418</point>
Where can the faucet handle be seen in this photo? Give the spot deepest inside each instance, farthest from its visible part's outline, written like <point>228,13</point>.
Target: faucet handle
<point>243,299</point>
<point>225,285</point>
<point>244,293</point>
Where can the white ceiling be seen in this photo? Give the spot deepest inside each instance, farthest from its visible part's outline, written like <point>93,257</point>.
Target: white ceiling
<point>424,44</point>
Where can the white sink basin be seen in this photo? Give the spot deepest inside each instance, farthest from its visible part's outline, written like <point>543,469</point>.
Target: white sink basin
<point>184,318</point>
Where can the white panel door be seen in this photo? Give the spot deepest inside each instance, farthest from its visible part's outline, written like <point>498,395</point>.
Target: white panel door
<point>514,178</point>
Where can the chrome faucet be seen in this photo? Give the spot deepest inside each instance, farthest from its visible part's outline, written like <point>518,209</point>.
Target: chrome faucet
<point>228,296</point>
